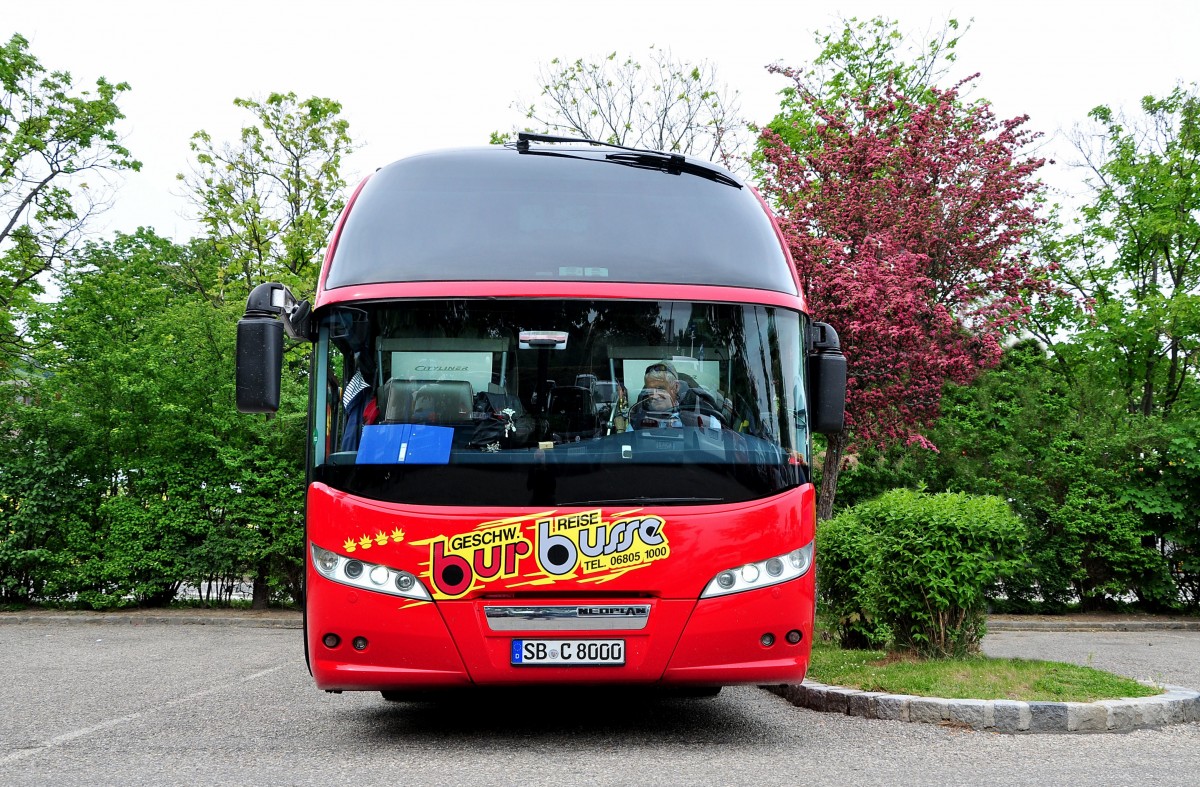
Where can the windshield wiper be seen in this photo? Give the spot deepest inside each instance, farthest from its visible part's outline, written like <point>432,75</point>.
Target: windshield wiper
<point>671,163</point>
<point>641,158</point>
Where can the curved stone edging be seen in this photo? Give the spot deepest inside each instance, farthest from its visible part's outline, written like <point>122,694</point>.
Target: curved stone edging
<point>1176,706</point>
<point>1084,625</point>
<point>119,619</point>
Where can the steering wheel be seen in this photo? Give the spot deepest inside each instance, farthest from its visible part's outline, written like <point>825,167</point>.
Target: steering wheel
<point>708,411</point>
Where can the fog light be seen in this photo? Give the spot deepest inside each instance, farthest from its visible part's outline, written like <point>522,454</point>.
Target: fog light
<point>767,640</point>
<point>331,640</point>
<point>726,579</point>
<point>359,643</point>
<point>750,572</point>
<point>794,636</point>
<point>354,569</point>
<point>774,566</point>
<point>405,581</point>
<point>379,575</point>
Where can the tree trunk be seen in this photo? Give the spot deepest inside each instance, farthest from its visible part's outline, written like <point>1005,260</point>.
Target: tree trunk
<point>262,591</point>
<point>829,475</point>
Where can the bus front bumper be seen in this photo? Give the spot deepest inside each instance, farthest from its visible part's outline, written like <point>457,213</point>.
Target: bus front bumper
<point>375,642</point>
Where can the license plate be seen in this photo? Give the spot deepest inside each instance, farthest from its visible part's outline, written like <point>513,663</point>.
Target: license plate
<point>567,652</point>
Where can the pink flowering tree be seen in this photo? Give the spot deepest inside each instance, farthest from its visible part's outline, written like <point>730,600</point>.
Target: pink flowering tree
<point>905,215</point>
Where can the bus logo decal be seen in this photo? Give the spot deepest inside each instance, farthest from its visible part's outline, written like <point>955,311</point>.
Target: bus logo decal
<point>544,549</point>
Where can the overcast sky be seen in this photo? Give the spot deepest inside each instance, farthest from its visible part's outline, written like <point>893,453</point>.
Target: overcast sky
<point>418,76</point>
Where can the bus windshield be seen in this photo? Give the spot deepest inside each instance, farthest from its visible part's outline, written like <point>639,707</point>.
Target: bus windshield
<point>556,403</point>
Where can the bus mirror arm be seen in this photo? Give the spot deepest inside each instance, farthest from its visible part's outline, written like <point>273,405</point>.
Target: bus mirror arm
<point>826,380</point>
<point>270,299</point>
<point>270,310</point>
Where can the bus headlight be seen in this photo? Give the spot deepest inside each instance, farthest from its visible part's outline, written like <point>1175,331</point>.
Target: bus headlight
<point>764,573</point>
<point>326,561</point>
<point>368,576</point>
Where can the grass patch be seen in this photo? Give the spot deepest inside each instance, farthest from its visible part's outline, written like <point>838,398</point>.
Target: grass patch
<point>977,677</point>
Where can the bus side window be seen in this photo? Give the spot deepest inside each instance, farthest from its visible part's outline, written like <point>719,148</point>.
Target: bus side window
<point>350,405</point>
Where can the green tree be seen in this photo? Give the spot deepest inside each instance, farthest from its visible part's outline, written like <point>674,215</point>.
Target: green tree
<point>45,498</point>
<point>1067,458</point>
<point>117,370</point>
<point>269,201</point>
<point>1130,335</point>
<point>857,60</point>
<point>160,483</point>
<point>57,144</point>
<point>1135,260</point>
<point>1165,490</point>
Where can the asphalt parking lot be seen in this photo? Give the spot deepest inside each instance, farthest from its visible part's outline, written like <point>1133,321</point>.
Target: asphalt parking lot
<point>232,704</point>
<point>1171,657</point>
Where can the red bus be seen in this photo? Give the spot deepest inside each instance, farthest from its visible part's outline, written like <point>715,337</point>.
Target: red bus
<point>562,395</point>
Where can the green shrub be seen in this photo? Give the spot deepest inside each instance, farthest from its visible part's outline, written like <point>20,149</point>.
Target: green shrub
<point>845,582</point>
<point>917,567</point>
<point>935,558</point>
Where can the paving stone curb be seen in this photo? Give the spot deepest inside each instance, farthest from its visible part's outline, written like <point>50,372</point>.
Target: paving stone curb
<point>1176,705</point>
<point>1084,625</point>
<point>118,619</point>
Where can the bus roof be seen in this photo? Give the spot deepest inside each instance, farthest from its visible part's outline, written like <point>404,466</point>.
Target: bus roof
<point>555,214</point>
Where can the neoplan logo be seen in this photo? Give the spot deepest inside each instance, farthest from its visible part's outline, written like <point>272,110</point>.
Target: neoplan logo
<point>639,611</point>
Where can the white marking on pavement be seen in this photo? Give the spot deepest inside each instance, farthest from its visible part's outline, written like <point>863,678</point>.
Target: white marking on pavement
<point>107,723</point>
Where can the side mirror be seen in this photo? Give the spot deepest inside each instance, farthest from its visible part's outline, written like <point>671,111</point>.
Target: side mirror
<point>269,310</point>
<point>259,364</point>
<point>826,381</point>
